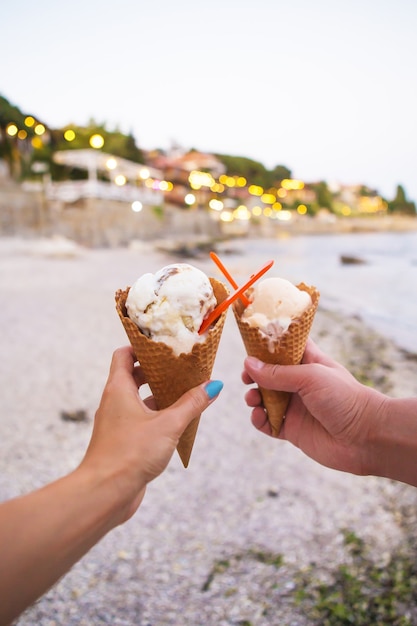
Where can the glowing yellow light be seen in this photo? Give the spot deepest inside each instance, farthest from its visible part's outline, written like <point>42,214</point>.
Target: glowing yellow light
<point>39,129</point>
<point>267,211</point>
<point>164,185</point>
<point>257,210</point>
<point>268,198</point>
<point>149,183</point>
<point>144,173</point>
<point>69,135</point>
<point>137,206</point>
<point>284,216</point>
<point>277,206</point>
<point>346,210</point>
<point>302,209</point>
<point>223,179</point>
<point>226,216</point>
<point>281,193</point>
<point>217,188</point>
<point>120,180</point>
<point>36,143</point>
<point>12,130</point>
<point>111,163</point>
<point>29,121</point>
<point>241,181</point>
<point>200,179</point>
<point>255,190</point>
<point>216,205</point>
<point>241,213</point>
<point>22,134</point>
<point>230,182</point>
<point>96,141</point>
<point>292,183</point>
<point>189,199</point>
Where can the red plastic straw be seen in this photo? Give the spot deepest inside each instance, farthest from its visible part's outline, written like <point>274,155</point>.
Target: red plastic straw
<point>226,303</point>
<point>230,278</point>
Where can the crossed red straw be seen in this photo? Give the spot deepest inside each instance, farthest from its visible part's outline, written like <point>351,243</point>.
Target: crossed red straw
<point>239,293</point>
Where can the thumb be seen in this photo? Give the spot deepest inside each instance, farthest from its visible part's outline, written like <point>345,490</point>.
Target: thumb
<point>281,377</point>
<point>193,402</point>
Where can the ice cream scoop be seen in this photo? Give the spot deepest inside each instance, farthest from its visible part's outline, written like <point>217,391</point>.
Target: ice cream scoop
<point>170,305</point>
<point>274,304</point>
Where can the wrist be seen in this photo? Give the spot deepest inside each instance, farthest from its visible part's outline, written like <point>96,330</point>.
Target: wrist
<point>375,418</point>
<point>393,444</point>
<point>117,492</point>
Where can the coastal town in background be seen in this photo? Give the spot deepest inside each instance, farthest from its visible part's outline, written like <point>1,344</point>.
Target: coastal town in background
<point>98,187</point>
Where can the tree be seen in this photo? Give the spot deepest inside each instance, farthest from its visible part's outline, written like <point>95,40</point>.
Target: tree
<point>14,149</point>
<point>279,173</point>
<point>400,204</point>
<point>324,195</point>
<point>255,172</point>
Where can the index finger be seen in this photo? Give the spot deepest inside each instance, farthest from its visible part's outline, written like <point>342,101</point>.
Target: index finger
<point>122,368</point>
<point>122,359</point>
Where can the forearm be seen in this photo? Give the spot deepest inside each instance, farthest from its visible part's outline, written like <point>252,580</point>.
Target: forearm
<point>45,532</point>
<point>394,445</point>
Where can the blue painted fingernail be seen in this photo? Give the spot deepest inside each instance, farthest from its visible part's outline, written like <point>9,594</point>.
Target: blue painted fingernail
<point>213,388</point>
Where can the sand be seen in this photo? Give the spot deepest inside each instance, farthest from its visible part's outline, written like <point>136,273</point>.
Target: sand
<point>190,556</point>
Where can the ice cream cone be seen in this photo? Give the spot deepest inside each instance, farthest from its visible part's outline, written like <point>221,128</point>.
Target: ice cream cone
<point>168,375</point>
<point>287,350</point>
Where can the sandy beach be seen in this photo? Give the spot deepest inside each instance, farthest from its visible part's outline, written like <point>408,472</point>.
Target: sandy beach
<point>203,548</point>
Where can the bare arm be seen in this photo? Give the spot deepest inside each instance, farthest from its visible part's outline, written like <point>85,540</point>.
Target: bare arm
<point>44,533</point>
<point>393,445</point>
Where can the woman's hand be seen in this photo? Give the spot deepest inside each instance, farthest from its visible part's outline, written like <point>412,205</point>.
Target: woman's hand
<point>131,439</point>
<point>331,416</point>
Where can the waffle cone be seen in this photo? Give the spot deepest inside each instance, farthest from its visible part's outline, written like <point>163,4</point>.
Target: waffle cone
<point>169,376</point>
<point>287,350</point>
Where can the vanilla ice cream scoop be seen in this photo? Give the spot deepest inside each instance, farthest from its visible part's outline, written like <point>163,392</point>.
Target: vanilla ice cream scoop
<point>170,306</point>
<point>274,304</point>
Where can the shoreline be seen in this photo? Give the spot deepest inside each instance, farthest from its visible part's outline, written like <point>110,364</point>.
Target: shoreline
<point>333,224</point>
<point>195,245</point>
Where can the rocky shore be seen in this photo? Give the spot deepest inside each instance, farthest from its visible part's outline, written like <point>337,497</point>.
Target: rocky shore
<point>241,535</point>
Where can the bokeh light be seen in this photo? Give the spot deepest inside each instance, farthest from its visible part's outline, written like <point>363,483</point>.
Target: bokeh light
<point>111,163</point>
<point>137,206</point>
<point>96,141</point>
<point>189,199</point>
<point>39,129</point>
<point>12,130</point>
<point>69,135</point>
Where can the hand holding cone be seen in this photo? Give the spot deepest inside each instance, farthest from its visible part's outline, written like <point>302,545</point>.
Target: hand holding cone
<point>170,376</point>
<point>288,349</point>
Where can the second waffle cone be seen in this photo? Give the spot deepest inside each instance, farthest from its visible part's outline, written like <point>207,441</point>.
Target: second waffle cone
<point>287,350</point>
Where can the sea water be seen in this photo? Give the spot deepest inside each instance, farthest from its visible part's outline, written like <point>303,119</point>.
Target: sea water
<point>382,290</point>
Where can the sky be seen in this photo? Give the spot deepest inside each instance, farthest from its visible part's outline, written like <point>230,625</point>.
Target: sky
<point>327,88</point>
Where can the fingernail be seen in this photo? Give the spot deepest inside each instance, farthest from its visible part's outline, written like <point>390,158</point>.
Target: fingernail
<point>255,363</point>
<point>213,388</point>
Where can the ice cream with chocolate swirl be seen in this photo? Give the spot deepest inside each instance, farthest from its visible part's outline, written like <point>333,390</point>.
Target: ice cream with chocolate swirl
<point>170,305</point>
